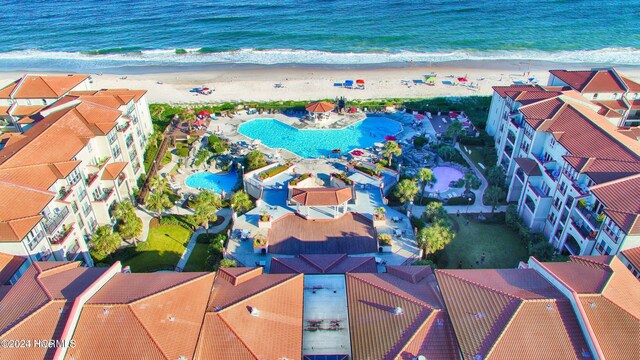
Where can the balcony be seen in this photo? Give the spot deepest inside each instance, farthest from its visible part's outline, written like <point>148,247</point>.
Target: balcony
<point>91,178</point>
<point>538,191</point>
<point>52,223</point>
<point>592,218</point>
<point>62,235</point>
<point>63,193</point>
<point>508,151</point>
<point>511,137</point>
<point>104,196</point>
<point>123,127</point>
<point>553,174</point>
<point>584,231</point>
<point>516,122</point>
<point>572,245</point>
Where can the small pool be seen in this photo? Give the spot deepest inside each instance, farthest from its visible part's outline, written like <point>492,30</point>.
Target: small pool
<point>444,175</point>
<point>317,143</point>
<point>215,182</point>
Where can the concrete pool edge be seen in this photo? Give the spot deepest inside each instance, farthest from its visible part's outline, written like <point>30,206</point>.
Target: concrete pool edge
<point>293,127</point>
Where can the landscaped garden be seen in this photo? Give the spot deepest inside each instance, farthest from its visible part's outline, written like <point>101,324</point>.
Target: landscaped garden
<point>161,251</point>
<point>482,245</point>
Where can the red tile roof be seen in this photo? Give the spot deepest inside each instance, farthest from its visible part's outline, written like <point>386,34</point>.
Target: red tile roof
<point>323,264</point>
<point>112,170</point>
<point>42,86</point>
<point>27,203</point>
<point>633,256</point>
<point>9,265</point>
<point>529,166</point>
<point>494,313</point>
<point>321,196</point>
<point>590,81</point>
<point>622,200</point>
<point>613,104</point>
<point>157,321</point>
<point>273,331</point>
<point>38,305</point>
<point>502,90</point>
<point>631,85</point>
<point>320,106</point>
<point>379,332</point>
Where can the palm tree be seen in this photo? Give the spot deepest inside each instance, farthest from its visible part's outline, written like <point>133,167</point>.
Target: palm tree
<point>492,196</point>
<point>159,184</point>
<point>425,176</point>
<point>206,205</point>
<point>104,242</point>
<point>124,211</point>
<point>434,237</point>
<point>158,202</point>
<point>454,130</point>
<point>390,149</point>
<point>241,202</point>
<point>406,191</point>
<point>190,117</point>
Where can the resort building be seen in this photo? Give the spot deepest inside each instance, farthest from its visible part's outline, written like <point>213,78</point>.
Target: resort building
<point>582,309</point>
<point>571,159</point>
<point>66,164</point>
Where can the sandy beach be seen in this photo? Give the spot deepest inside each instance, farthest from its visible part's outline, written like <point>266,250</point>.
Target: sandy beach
<point>247,84</point>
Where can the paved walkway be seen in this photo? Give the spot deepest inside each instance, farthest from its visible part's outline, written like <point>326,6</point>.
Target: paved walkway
<point>212,230</point>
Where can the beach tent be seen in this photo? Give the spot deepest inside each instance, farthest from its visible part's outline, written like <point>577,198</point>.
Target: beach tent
<point>319,109</point>
<point>360,83</point>
<point>348,83</point>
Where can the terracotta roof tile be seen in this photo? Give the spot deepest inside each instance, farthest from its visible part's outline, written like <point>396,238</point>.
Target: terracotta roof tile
<point>160,325</point>
<point>47,86</point>
<point>490,309</point>
<point>274,332</point>
<point>9,265</point>
<point>225,294</point>
<point>321,196</point>
<point>5,92</point>
<point>631,84</point>
<point>542,110</point>
<point>16,230</point>
<point>112,170</point>
<point>502,90</point>
<point>127,288</point>
<point>323,264</point>
<point>582,279</point>
<point>377,332</point>
<point>293,235</point>
<point>320,106</point>
<point>590,81</point>
<point>26,110</point>
<point>622,200</point>
<point>613,104</point>
<point>73,282</point>
<point>529,166</point>
<point>633,256</point>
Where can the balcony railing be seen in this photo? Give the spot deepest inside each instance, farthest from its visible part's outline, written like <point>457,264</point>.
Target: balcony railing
<point>584,231</point>
<point>61,235</point>
<point>590,216</point>
<point>516,122</point>
<point>106,193</point>
<point>123,127</point>
<point>91,178</point>
<point>511,138</point>
<point>616,239</point>
<point>538,191</point>
<point>52,223</point>
<point>63,193</point>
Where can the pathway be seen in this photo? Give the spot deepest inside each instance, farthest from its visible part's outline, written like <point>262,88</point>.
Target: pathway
<point>212,230</point>
<point>478,206</point>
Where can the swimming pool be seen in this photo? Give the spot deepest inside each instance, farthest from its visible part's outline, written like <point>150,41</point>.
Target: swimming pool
<point>215,182</point>
<point>444,175</point>
<point>316,143</point>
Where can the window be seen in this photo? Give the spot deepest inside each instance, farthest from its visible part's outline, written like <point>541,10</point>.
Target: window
<point>609,250</point>
<point>112,136</point>
<point>557,203</point>
<point>552,142</point>
<point>552,218</point>
<point>569,202</point>
<point>562,188</point>
<point>89,147</point>
<point>600,246</point>
<point>595,96</point>
<point>116,151</point>
<point>74,207</point>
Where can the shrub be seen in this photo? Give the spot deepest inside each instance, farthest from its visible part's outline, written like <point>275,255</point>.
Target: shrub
<point>228,263</point>
<point>300,178</point>
<point>182,152</point>
<point>511,218</point>
<point>423,262</point>
<point>384,239</point>
<point>202,155</point>
<point>273,171</point>
<point>461,200</point>
<point>420,141</point>
<point>366,170</point>
<point>471,140</point>
<point>216,145</point>
<point>255,160</point>
<point>417,223</point>
<point>342,177</point>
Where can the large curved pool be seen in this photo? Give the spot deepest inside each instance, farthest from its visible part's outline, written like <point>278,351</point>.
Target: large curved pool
<point>317,143</point>
<point>215,182</point>
<point>444,175</point>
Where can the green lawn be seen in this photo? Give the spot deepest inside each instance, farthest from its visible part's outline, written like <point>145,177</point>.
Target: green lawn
<point>476,156</point>
<point>501,246</point>
<point>162,250</point>
<point>197,259</point>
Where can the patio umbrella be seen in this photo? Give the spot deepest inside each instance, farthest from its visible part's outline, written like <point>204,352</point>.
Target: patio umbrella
<point>256,142</point>
<point>462,79</point>
<point>390,138</point>
<point>199,122</point>
<point>356,152</point>
<point>353,110</point>
<point>204,113</point>
<point>453,114</point>
<point>418,116</point>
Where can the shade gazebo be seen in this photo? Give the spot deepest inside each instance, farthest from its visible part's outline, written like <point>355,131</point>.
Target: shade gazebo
<point>319,110</point>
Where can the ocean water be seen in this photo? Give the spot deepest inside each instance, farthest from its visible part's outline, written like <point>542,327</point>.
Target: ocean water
<point>94,34</point>
<point>316,143</point>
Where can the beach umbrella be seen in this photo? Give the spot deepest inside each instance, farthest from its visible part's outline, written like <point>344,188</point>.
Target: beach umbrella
<point>462,79</point>
<point>353,110</point>
<point>360,82</point>
<point>348,83</point>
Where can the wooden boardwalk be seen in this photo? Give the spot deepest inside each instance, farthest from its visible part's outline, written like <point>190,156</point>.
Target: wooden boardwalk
<point>350,234</point>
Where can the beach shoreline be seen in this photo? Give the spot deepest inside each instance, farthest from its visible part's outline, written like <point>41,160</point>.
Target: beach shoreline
<point>245,83</point>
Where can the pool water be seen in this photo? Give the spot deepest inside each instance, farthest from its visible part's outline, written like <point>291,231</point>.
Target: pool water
<point>215,182</point>
<point>444,175</point>
<point>316,143</point>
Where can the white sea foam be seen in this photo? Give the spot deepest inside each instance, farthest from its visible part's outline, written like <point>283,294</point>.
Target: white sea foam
<point>615,56</point>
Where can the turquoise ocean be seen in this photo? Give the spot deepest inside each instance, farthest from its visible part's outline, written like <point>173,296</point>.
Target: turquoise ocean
<point>143,35</point>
